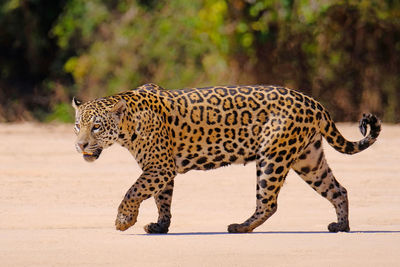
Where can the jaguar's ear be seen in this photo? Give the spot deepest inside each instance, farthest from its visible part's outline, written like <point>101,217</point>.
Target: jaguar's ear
<point>119,109</point>
<point>76,103</point>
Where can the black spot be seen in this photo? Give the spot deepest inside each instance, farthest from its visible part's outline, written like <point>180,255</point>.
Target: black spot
<point>134,136</point>
<point>176,121</point>
<point>283,152</point>
<point>185,162</point>
<point>169,119</point>
<point>283,91</point>
<point>317,144</point>
<point>328,125</point>
<point>279,170</point>
<point>318,183</point>
<point>251,158</point>
<point>309,112</point>
<point>269,169</point>
<point>233,91</point>
<point>263,183</point>
<point>219,158</point>
<point>168,192</point>
<point>201,160</point>
<point>340,140</point>
<point>209,166</point>
<point>272,96</point>
<point>259,173</point>
<point>305,170</point>
<point>232,158</point>
<point>121,136</point>
<point>324,194</point>
<point>264,201</point>
<point>272,155</point>
<point>270,188</point>
<point>227,104</point>
<point>292,141</point>
<point>336,195</point>
<point>243,116</point>
<point>349,147</point>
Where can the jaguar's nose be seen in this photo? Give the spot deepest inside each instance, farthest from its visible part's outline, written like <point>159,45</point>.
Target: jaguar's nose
<point>82,145</point>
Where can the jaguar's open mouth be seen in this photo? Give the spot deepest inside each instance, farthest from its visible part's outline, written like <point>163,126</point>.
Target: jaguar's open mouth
<point>92,156</point>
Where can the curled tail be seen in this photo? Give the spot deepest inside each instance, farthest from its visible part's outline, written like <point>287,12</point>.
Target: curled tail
<point>337,141</point>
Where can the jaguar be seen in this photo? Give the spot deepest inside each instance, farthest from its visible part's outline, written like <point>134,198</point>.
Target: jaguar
<point>175,131</point>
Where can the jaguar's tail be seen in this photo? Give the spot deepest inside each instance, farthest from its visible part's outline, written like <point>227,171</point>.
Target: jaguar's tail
<point>337,141</point>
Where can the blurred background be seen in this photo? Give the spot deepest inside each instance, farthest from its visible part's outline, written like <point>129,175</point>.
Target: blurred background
<point>346,54</point>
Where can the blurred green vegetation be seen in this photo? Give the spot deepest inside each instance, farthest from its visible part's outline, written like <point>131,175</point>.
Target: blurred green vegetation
<point>344,53</point>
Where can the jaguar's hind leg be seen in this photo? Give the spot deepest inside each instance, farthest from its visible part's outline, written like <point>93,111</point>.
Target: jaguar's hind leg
<point>313,168</point>
<point>270,177</point>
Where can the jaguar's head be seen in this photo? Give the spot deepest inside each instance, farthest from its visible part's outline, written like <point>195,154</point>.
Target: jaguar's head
<point>96,125</point>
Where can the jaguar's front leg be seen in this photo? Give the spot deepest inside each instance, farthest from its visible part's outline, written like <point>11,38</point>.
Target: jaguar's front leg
<point>128,210</point>
<point>163,202</point>
<point>151,183</point>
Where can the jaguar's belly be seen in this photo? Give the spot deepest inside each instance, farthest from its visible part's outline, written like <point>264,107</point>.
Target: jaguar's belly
<point>212,157</point>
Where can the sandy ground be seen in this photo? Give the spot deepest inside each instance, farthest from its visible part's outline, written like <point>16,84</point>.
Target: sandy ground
<point>57,210</point>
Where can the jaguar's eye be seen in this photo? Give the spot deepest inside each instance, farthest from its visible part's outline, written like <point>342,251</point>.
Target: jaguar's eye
<point>77,128</point>
<point>96,127</point>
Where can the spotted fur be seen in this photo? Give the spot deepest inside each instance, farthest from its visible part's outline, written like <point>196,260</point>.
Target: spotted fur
<point>175,131</point>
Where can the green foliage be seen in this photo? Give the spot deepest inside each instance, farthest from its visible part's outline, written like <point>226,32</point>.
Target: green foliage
<point>137,45</point>
<point>341,52</point>
<point>80,20</point>
<point>211,24</point>
<point>345,53</point>
<point>62,112</point>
